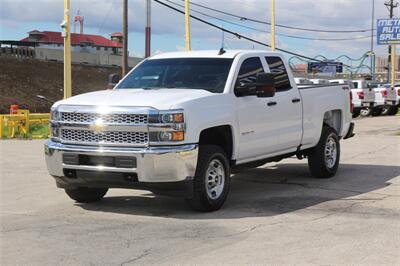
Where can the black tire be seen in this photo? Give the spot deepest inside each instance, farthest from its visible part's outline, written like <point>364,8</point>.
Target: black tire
<point>201,201</point>
<point>316,158</point>
<point>356,113</point>
<point>377,111</point>
<point>385,110</point>
<point>86,195</point>
<point>393,110</point>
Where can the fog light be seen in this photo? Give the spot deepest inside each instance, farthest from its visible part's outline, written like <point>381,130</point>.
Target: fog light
<point>171,136</point>
<point>165,136</point>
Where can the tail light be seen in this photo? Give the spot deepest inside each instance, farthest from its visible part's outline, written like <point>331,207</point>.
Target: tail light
<point>398,92</point>
<point>351,103</point>
<point>360,95</point>
<point>384,93</point>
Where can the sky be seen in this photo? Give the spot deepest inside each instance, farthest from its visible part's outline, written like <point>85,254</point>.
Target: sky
<point>103,17</point>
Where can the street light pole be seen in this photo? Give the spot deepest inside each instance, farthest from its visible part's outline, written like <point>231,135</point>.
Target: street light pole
<point>187,26</point>
<point>273,25</point>
<point>66,25</point>
<point>372,41</point>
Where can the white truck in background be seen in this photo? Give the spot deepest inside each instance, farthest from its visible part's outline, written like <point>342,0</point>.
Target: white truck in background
<point>391,99</point>
<point>179,123</point>
<point>367,98</point>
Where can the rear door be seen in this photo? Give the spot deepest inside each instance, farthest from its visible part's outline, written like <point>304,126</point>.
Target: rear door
<point>288,106</point>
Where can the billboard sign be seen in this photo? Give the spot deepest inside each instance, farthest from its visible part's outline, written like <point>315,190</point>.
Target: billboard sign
<point>326,67</point>
<point>388,31</point>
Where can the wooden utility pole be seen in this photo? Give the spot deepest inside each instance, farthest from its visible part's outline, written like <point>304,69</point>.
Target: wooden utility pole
<point>187,26</point>
<point>148,29</point>
<point>66,25</point>
<point>125,38</point>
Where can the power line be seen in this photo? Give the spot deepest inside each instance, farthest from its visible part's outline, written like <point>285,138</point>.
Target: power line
<point>264,31</point>
<point>240,36</point>
<point>278,25</point>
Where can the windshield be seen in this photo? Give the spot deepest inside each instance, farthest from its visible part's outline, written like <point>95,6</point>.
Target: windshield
<point>189,73</point>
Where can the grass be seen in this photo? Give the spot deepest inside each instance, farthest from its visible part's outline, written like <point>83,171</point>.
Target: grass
<point>35,131</point>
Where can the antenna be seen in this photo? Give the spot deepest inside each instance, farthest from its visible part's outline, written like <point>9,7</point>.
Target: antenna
<point>222,50</point>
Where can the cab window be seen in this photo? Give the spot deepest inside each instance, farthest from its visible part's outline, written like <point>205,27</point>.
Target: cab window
<point>249,70</point>
<point>277,66</point>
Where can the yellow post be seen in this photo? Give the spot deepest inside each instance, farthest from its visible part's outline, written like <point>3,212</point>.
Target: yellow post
<point>393,65</point>
<point>1,126</point>
<point>273,25</point>
<point>66,25</point>
<point>187,26</point>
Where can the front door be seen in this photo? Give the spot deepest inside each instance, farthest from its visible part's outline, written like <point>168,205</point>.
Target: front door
<point>256,116</point>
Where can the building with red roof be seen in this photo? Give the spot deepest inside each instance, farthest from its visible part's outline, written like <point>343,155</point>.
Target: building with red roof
<point>83,43</point>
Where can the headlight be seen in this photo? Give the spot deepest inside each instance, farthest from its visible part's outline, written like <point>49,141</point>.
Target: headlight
<point>54,132</point>
<point>171,118</point>
<point>167,117</point>
<point>55,115</point>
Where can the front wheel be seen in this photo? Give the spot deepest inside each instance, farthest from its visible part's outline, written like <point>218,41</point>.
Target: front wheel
<point>323,159</point>
<point>86,195</point>
<point>212,179</point>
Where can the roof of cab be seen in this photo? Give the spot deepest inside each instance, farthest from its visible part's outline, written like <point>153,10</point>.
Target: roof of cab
<point>208,54</point>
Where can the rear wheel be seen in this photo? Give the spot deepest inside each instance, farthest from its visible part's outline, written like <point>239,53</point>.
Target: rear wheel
<point>377,111</point>
<point>86,195</point>
<point>212,179</point>
<point>323,160</point>
<point>393,110</point>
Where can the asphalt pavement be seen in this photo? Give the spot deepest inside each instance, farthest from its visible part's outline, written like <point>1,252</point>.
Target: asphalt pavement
<point>276,214</point>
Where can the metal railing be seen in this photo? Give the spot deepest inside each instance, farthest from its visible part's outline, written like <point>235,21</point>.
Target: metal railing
<point>23,124</point>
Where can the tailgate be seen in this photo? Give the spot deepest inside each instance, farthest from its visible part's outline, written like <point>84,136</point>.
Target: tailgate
<point>369,95</point>
<point>391,94</point>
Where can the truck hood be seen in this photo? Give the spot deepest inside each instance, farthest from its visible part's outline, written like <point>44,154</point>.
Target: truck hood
<point>162,99</point>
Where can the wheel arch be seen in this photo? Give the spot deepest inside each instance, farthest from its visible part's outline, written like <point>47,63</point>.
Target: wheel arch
<point>221,136</point>
<point>334,119</point>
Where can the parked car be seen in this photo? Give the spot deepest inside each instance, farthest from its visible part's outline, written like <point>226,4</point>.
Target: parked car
<point>392,101</point>
<point>179,122</point>
<point>357,95</point>
<point>367,98</point>
<point>380,100</point>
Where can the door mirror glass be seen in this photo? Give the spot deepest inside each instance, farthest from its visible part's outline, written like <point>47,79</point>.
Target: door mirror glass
<point>263,87</point>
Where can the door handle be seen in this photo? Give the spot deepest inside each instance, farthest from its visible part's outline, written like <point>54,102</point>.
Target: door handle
<point>295,100</point>
<point>271,103</point>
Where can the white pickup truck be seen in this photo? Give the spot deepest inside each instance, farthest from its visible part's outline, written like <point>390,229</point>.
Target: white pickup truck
<point>178,123</point>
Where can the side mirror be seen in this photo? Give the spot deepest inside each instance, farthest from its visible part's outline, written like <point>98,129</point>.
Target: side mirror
<point>263,87</point>
<point>113,80</point>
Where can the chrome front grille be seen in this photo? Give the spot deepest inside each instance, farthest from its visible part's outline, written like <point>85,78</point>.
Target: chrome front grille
<point>105,137</point>
<point>127,119</point>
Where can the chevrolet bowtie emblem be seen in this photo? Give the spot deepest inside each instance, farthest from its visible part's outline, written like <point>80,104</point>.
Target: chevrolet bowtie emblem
<point>98,126</point>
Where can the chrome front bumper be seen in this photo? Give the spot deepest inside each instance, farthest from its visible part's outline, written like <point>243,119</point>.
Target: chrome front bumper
<point>154,164</point>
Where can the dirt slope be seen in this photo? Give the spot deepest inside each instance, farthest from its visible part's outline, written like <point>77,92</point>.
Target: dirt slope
<point>22,80</point>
